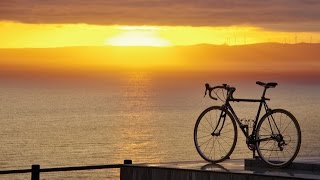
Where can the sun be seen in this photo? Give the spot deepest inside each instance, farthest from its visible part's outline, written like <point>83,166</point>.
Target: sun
<point>137,36</point>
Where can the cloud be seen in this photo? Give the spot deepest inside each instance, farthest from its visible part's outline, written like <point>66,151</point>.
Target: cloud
<point>288,15</point>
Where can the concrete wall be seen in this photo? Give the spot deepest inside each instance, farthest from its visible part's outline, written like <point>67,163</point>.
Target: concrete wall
<point>156,173</point>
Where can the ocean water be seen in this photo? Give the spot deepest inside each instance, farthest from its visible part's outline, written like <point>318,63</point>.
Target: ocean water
<point>137,116</point>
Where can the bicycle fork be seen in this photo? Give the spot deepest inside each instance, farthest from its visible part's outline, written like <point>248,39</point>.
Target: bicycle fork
<point>217,129</point>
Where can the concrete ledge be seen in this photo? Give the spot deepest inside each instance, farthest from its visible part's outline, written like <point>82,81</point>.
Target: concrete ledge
<point>302,164</point>
<point>156,173</point>
<point>233,169</point>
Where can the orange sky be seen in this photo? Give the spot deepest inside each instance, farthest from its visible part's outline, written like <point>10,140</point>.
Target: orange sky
<point>60,23</point>
<point>172,34</point>
<point>21,35</point>
<point>65,49</point>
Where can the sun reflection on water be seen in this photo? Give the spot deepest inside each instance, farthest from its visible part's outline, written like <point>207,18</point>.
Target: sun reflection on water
<point>138,130</point>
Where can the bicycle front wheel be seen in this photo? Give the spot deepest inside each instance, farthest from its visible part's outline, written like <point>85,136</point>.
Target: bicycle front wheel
<point>215,134</point>
<point>278,138</point>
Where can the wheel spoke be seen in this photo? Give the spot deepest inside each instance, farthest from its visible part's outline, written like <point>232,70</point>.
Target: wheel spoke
<point>286,127</point>
<point>207,145</point>
<point>209,123</point>
<point>211,147</point>
<point>224,132</point>
<point>280,121</point>
<point>208,130</point>
<point>271,150</point>
<point>225,141</point>
<point>266,130</point>
<point>204,136</point>
<point>265,144</point>
<point>204,142</point>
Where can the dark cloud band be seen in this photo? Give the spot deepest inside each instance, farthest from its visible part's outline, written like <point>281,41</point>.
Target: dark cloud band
<point>278,14</point>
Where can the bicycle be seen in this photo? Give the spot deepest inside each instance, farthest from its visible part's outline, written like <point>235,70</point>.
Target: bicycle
<point>276,136</point>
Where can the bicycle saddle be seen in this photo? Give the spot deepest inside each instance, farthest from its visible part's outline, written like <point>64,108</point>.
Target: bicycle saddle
<point>267,85</point>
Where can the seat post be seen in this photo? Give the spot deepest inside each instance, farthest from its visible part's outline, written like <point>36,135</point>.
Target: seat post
<point>264,92</point>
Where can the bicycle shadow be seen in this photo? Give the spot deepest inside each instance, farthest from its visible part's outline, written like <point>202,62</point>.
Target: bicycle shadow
<point>254,170</point>
<point>269,171</point>
<point>214,167</point>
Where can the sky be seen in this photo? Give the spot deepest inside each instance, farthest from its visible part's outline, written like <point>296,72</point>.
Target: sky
<point>56,23</point>
<point>169,24</point>
<point>300,15</point>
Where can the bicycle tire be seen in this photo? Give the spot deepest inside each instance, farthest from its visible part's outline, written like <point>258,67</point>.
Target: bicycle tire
<point>215,142</point>
<point>284,146</point>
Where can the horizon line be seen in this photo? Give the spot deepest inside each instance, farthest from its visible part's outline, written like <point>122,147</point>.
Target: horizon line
<point>169,46</point>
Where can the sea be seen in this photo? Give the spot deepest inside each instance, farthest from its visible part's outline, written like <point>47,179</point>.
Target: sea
<point>136,115</point>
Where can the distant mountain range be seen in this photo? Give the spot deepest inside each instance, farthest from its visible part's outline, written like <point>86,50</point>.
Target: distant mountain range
<point>291,60</point>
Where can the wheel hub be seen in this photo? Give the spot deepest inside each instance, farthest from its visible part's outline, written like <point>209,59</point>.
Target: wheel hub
<point>215,134</point>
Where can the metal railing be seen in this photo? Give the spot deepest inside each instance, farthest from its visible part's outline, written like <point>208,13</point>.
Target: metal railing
<point>36,170</point>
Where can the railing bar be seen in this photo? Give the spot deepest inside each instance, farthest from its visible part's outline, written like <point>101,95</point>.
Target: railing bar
<point>16,171</point>
<point>74,168</point>
<point>78,168</point>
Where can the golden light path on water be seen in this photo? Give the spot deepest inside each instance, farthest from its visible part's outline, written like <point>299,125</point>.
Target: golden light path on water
<point>139,132</point>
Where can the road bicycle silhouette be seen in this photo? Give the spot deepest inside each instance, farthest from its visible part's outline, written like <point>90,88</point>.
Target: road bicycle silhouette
<point>276,136</point>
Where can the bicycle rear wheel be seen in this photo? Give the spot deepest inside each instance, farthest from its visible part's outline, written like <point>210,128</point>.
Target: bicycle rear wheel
<point>278,138</point>
<point>215,145</point>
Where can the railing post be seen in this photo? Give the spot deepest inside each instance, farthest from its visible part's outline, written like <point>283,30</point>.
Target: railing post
<point>35,174</point>
<point>127,161</point>
<point>124,171</point>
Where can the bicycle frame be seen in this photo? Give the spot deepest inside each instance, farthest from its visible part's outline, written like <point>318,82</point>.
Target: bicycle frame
<point>243,127</point>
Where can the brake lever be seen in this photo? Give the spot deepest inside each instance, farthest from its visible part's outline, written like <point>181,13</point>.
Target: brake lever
<point>205,93</point>
<point>207,88</point>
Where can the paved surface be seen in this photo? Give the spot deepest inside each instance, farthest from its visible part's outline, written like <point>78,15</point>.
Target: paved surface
<point>296,170</point>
